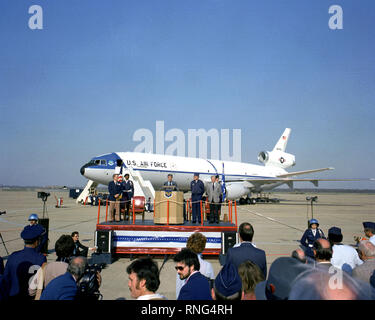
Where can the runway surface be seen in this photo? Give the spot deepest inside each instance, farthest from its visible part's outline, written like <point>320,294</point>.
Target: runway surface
<point>278,228</point>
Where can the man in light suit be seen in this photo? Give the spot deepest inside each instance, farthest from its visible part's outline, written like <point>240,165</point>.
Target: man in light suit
<point>171,183</point>
<point>213,196</point>
<point>114,189</point>
<point>246,250</point>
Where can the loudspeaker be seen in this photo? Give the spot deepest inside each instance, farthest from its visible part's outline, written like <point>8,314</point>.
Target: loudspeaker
<point>103,241</point>
<point>44,222</point>
<point>228,240</point>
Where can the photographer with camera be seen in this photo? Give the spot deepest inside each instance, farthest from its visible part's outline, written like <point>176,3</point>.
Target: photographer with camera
<point>69,285</point>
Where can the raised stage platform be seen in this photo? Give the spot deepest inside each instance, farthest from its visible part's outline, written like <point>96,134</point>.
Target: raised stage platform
<point>146,237</point>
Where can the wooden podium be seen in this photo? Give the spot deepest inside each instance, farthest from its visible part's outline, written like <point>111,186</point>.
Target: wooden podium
<point>169,207</point>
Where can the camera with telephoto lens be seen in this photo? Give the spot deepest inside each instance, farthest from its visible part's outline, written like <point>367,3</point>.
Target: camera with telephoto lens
<point>43,195</point>
<point>312,199</point>
<point>88,288</point>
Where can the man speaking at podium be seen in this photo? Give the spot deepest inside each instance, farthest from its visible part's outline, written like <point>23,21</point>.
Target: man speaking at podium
<point>170,183</point>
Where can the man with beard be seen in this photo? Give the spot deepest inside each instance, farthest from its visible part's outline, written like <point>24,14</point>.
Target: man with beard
<point>197,286</point>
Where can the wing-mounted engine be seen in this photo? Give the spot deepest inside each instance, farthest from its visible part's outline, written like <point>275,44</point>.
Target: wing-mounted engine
<point>235,190</point>
<point>277,159</point>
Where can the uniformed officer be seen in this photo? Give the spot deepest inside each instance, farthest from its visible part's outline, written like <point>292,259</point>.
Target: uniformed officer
<point>311,234</point>
<point>128,192</point>
<point>33,220</point>
<point>197,190</point>
<point>22,264</point>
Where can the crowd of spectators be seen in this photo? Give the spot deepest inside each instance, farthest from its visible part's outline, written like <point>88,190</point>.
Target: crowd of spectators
<point>320,269</point>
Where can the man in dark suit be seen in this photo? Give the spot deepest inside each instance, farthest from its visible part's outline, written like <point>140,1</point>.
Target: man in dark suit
<point>79,248</point>
<point>114,190</point>
<point>196,286</point>
<point>246,250</point>
<point>197,190</point>
<point>64,287</point>
<point>128,192</point>
<point>170,183</point>
<point>322,250</point>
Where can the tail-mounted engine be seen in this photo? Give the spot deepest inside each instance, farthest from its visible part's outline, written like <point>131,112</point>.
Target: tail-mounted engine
<point>277,159</point>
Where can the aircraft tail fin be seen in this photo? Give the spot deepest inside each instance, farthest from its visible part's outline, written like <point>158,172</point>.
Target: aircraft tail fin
<point>283,141</point>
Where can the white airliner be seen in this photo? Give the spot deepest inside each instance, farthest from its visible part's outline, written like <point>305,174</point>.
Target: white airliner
<point>149,171</point>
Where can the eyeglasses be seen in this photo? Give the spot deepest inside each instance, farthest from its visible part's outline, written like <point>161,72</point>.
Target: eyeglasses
<point>179,268</point>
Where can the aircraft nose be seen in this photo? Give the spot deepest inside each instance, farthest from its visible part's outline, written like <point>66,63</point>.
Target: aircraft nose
<point>82,170</point>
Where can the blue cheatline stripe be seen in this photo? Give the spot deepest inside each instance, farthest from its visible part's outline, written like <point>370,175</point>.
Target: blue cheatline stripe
<point>191,172</point>
<point>159,239</point>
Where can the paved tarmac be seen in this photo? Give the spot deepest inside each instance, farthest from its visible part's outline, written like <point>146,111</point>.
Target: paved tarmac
<point>278,228</point>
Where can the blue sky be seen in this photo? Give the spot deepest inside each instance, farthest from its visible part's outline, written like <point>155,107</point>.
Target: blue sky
<point>100,70</point>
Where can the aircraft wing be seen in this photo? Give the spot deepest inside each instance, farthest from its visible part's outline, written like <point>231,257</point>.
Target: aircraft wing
<point>258,182</point>
<point>298,173</point>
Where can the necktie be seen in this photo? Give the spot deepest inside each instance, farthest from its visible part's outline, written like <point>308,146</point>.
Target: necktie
<point>213,186</point>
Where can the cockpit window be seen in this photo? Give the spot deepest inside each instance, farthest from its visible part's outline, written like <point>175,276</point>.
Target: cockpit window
<point>103,162</point>
<point>97,162</point>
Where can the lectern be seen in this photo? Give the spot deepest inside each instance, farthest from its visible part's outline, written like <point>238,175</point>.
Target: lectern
<point>169,207</point>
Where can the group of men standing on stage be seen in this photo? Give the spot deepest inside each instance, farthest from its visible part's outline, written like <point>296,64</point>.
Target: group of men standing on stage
<point>214,196</point>
<point>120,196</point>
<point>121,193</point>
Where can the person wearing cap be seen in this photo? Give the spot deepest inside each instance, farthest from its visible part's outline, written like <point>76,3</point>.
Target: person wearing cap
<point>33,219</point>
<point>170,183</point>
<point>227,284</point>
<point>197,190</point>
<point>310,235</point>
<point>196,286</point>
<point>369,230</point>
<point>342,254</point>
<point>22,264</point>
<point>246,250</point>
<point>283,272</point>
<point>128,192</point>
<point>365,270</point>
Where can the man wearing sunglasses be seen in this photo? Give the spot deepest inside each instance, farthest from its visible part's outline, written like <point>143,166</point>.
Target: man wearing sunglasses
<point>196,286</point>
